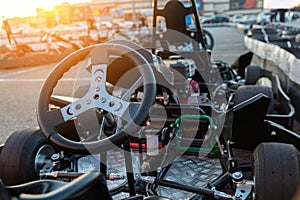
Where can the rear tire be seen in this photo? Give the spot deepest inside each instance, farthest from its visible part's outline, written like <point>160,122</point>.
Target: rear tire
<point>252,74</point>
<point>276,171</point>
<point>246,92</point>
<point>18,156</point>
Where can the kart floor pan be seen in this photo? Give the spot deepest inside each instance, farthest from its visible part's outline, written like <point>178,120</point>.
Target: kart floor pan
<point>191,171</point>
<point>186,170</point>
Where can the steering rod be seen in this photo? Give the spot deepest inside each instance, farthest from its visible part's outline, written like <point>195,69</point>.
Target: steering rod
<point>152,180</point>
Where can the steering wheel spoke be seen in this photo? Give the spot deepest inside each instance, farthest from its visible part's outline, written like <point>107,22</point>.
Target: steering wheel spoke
<point>104,101</point>
<point>97,97</point>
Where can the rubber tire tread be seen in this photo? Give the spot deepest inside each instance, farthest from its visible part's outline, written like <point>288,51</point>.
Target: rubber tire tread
<point>209,35</point>
<point>276,170</point>
<point>18,155</point>
<point>247,91</point>
<point>252,74</point>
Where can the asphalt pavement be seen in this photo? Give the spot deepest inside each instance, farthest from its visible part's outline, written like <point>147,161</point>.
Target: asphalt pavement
<point>19,93</point>
<point>20,87</point>
<point>229,43</point>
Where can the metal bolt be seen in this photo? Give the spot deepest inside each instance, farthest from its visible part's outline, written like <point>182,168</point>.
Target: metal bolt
<point>98,79</point>
<point>111,104</point>
<point>55,157</point>
<point>237,176</point>
<point>88,101</point>
<point>78,106</point>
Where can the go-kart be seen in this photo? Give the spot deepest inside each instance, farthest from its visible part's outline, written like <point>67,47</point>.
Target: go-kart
<point>159,123</point>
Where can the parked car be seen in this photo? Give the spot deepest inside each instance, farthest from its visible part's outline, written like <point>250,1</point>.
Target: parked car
<point>249,19</point>
<point>237,18</point>
<point>292,15</point>
<point>217,19</point>
<point>263,17</point>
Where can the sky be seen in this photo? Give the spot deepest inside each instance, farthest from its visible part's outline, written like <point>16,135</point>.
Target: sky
<point>280,3</point>
<point>23,8</point>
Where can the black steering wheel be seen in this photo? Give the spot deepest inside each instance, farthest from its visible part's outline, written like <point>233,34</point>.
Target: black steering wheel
<point>97,97</point>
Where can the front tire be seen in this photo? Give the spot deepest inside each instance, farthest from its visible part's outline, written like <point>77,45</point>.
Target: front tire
<point>19,154</point>
<point>209,39</point>
<point>276,171</point>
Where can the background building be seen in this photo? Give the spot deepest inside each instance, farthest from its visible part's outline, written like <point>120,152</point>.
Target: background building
<point>231,7</point>
<point>206,7</point>
<point>129,10</point>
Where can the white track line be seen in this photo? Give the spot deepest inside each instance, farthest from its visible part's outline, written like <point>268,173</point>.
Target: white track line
<point>22,71</point>
<point>17,80</point>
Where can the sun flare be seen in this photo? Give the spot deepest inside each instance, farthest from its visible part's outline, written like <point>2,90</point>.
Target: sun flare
<point>23,8</point>
<point>48,5</point>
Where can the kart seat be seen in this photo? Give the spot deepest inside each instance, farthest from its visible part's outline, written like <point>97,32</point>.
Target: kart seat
<point>177,23</point>
<point>88,186</point>
<point>34,187</point>
<point>248,127</point>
